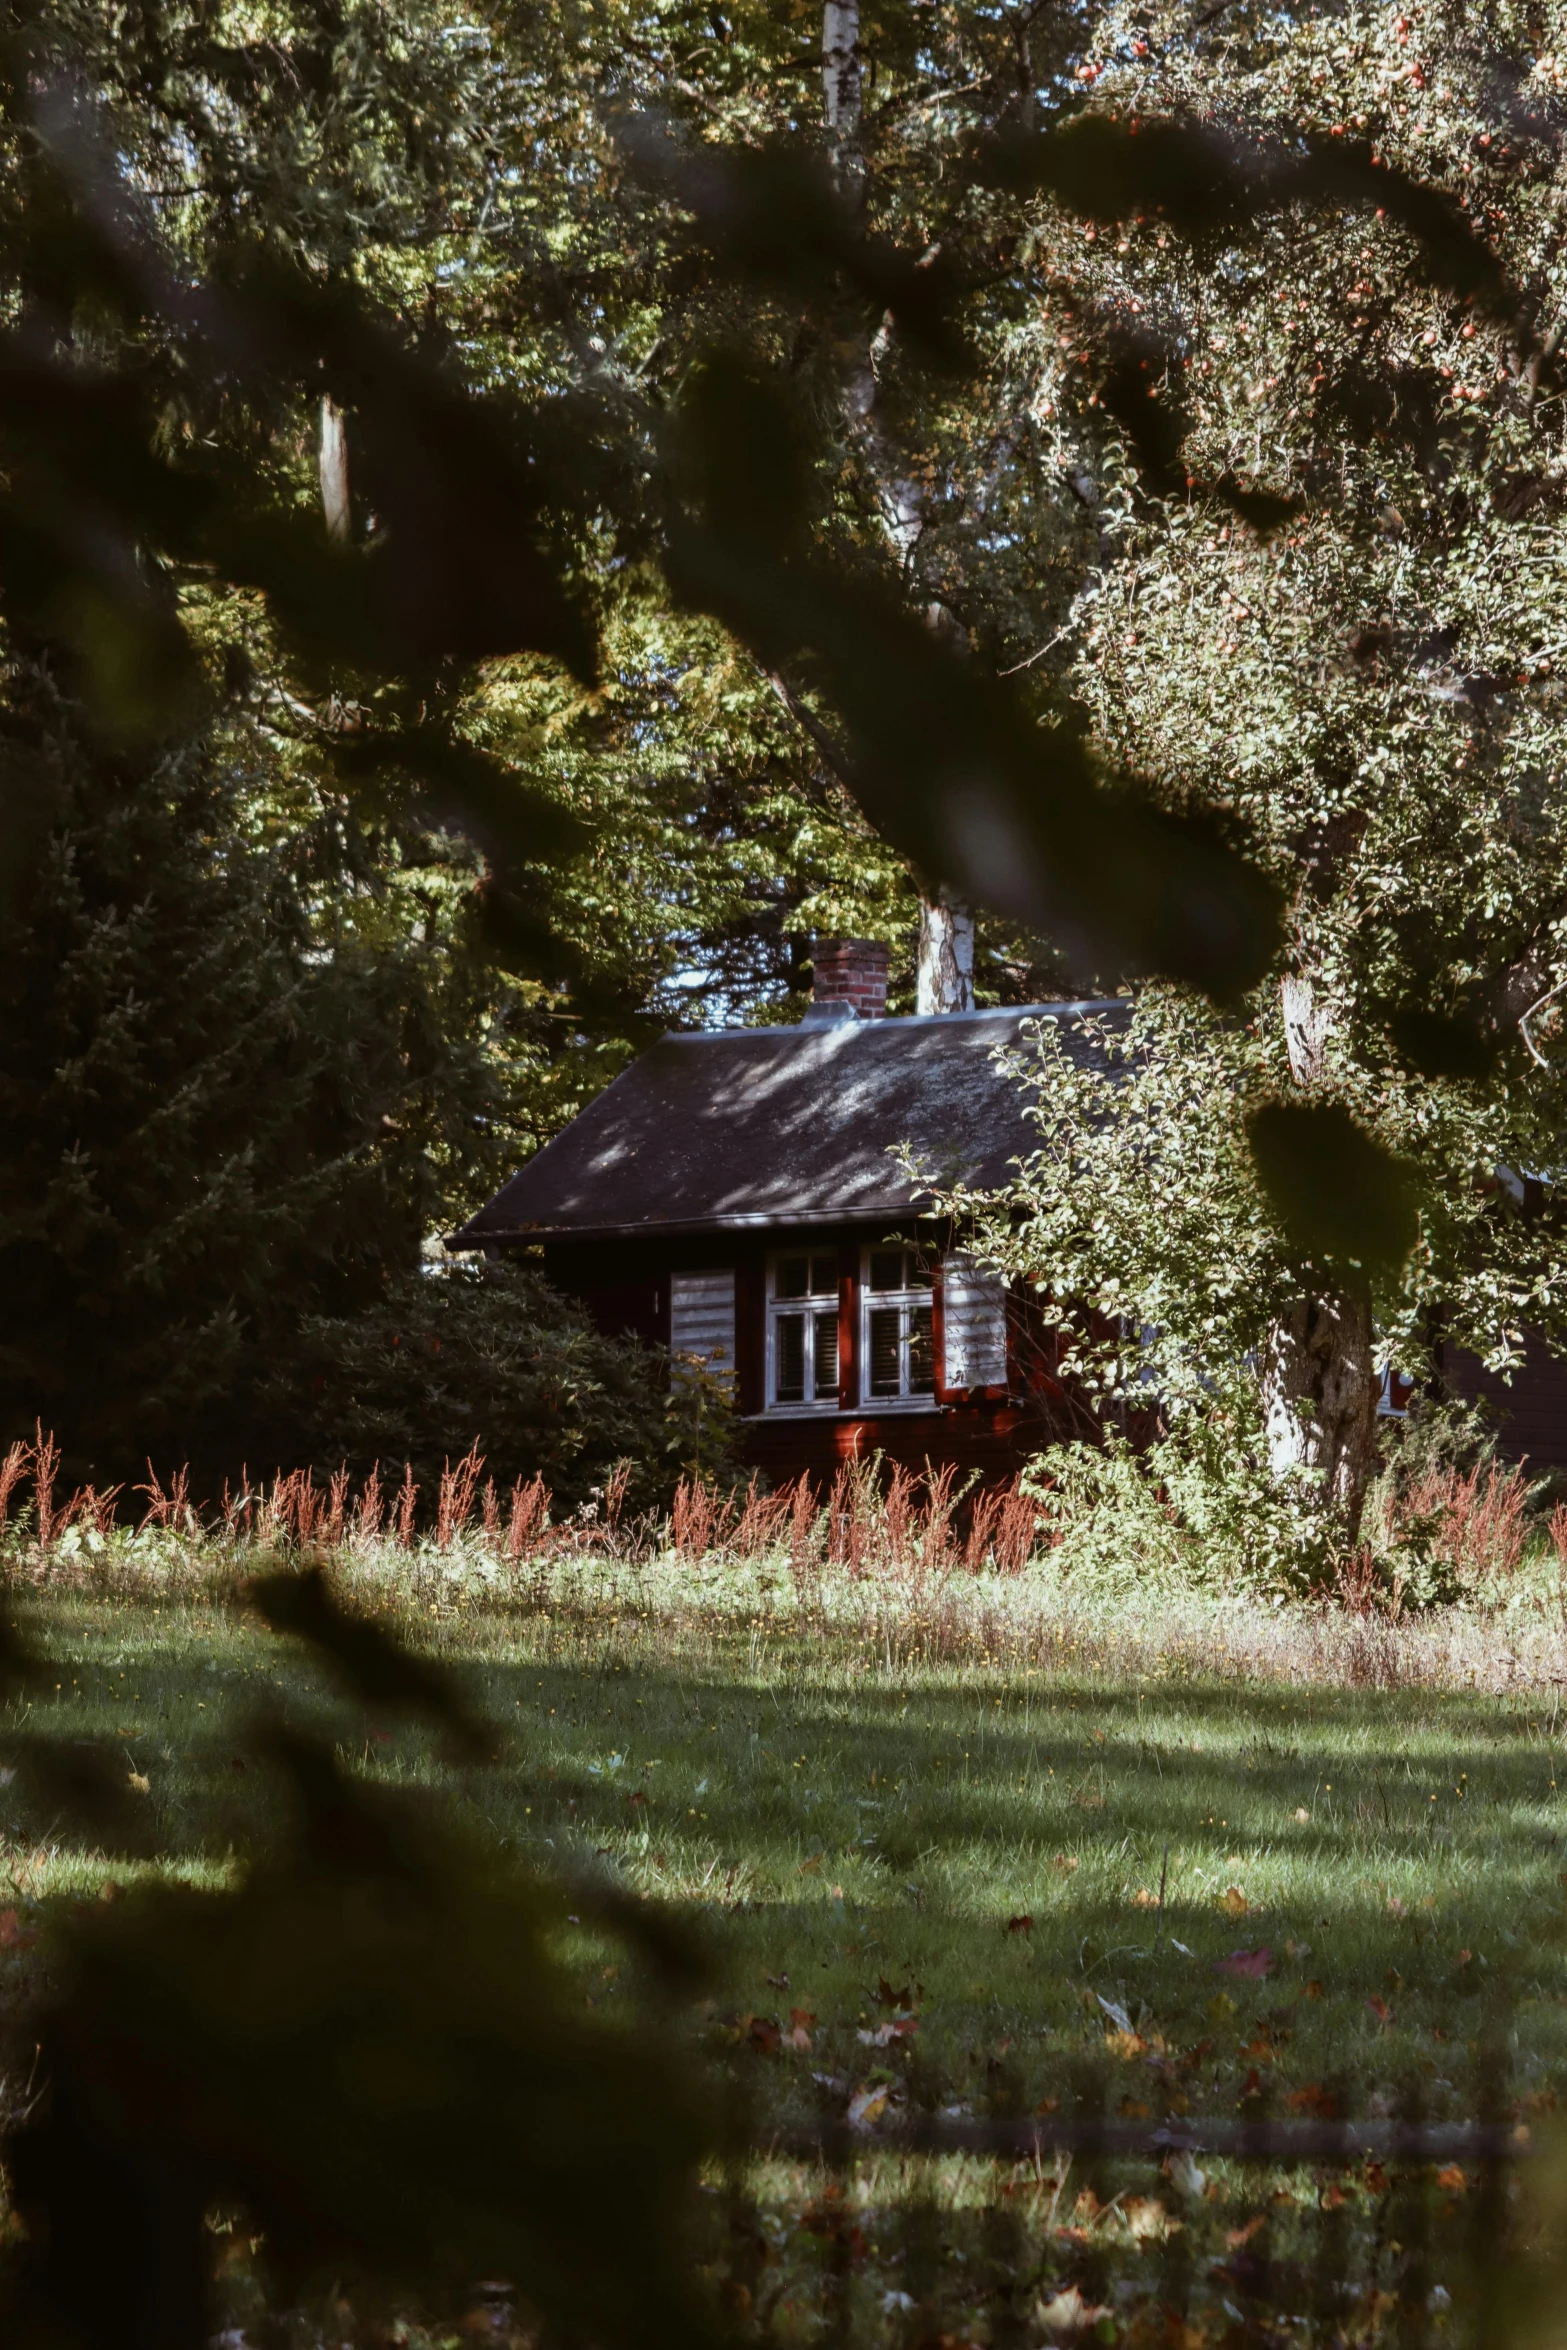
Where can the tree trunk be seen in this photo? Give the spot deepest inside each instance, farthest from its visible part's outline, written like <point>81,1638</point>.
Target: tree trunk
<point>841,93</point>
<point>334,473</point>
<point>1319,1384</point>
<point>945,954</point>
<point>1319,1392</point>
<point>944,966</point>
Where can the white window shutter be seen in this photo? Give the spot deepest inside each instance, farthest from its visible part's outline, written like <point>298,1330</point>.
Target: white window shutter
<point>974,1325</point>
<point>702,1320</point>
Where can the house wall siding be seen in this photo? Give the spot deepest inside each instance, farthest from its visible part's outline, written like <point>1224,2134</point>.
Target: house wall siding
<point>1530,1410</point>
<point>625,1285</point>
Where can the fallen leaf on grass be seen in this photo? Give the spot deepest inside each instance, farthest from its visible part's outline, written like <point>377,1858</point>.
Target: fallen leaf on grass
<point>1314,1989</point>
<point>1315,2100</point>
<point>1302,1815</point>
<point>1452,2179</point>
<point>1396,1908</point>
<point>1233,1902</point>
<point>800,2022</point>
<point>1143,1899</point>
<point>1234,2238</point>
<point>1380,2009</point>
<point>907,1998</point>
<point>811,1867</point>
<point>1245,1962</point>
<point>1146,2216</point>
<point>139,1785</point>
<point>1068,2313</point>
<point>867,2105</point>
<point>1185,2175</point>
<point>1064,1863</point>
<point>903,2027</point>
<point>1021,1925</point>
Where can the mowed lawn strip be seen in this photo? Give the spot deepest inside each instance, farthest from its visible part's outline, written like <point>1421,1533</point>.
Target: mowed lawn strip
<point>1361,1888</point>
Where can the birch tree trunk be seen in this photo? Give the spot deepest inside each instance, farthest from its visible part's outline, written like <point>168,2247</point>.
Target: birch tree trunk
<point>944,962</point>
<point>333,467</point>
<point>1319,1384</point>
<point>945,954</point>
<point>841,93</point>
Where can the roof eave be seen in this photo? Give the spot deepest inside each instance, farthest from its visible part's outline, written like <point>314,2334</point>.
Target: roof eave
<point>646,1228</point>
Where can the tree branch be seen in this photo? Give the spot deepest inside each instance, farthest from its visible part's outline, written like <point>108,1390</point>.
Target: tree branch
<point>831,749</point>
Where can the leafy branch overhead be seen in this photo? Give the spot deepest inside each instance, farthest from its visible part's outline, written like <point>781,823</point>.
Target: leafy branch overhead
<point>468,551</point>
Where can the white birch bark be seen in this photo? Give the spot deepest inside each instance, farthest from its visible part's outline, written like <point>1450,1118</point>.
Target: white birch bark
<point>945,955</point>
<point>944,962</point>
<point>1319,1384</point>
<point>842,95</point>
<point>333,466</point>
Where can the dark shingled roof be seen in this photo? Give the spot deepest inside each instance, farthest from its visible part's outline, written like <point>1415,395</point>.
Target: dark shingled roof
<point>781,1126</point>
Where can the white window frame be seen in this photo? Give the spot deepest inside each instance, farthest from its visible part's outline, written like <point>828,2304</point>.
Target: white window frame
<point>924,1399</point>
<point>806,1309</point>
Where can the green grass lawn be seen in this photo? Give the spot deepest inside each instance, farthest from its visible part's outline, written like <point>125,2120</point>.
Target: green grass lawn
<point>975,1849</point>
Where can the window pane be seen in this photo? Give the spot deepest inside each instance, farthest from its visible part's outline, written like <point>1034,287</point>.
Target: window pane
<point>826,1357</point>
<point>922,1359</point>
<point>886,1331</point>
<point>824,1276</point>
<point>789,1358</point>
<point>792,1277</point>
<point>919,1274</point>
<point>886,1268</point>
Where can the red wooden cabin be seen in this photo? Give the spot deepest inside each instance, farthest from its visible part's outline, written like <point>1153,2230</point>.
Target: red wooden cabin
<point>737,1197</point>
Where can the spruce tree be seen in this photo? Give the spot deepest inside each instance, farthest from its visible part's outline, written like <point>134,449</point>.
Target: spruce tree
<point>200,1129</point>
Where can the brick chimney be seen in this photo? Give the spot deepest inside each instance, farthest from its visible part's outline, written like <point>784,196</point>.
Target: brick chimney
<point>849,972</point>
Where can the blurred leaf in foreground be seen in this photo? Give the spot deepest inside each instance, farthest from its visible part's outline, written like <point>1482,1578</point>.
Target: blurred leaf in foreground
<point>367,2049</point>
<point>1335,1190</point>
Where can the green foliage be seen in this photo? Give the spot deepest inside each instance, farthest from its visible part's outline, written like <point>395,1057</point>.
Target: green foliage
<point>1190,1511</point>
<point>1141,1222</point>
<point>1369,681</point>
<point>444,1359</point>
<point>201,1101</point>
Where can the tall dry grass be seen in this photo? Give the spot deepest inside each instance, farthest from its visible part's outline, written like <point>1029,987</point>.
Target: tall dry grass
<point>911,1568</point>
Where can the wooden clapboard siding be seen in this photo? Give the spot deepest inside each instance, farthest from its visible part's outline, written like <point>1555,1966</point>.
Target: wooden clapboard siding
<point>1530,1410</point>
